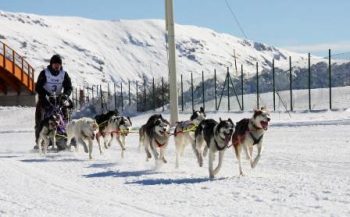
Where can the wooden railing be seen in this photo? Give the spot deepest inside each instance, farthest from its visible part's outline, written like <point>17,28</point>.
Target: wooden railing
<point>16,66</point>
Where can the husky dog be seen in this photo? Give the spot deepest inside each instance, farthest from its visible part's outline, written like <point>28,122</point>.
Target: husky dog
<point>184,132</point>
<point>82,129</point>
<point>142,131</point>
<point>47,133</point>
<point>118,126</point>
<point>155,134</point>
<point>217,136</point>
<point>102,119</point>
<point>248,133</point>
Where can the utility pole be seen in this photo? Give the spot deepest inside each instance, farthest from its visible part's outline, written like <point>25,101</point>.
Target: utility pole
<point>172,78</point>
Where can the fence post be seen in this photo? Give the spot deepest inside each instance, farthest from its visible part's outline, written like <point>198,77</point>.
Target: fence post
<point>309,79</point>
<point>203,90</point>
<point>121,95</point>
<point>182,94</point>
<point>137,97</point>
<point>192,90</point>
<point>216,100</point>
<point>115,97</point>
<point>101,94</point>
<point>330,79</point>
<point>163,93</point>
<point>290,83</point>
<point>273,85</point>
<point>76,98</point>
<point>257,85</point>
<point>242,87</point>
<point>144,94</point>
<point>92,94</point>
<point>228,89</point>
<point>154,95</point>
<point>129,93</point>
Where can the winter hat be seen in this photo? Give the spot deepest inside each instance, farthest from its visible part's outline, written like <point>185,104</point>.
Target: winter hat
<point>56,59</point>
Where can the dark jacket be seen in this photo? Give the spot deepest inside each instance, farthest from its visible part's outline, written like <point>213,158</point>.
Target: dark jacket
<point>67,84</point>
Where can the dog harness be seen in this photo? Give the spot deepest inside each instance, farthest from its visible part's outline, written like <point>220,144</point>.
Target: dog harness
<point>256,140</point>
<point>186,126</point>
<point>218,147</point>
<point>159,144</point>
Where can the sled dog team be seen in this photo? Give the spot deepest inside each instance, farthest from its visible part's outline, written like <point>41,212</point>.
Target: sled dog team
<point>206,136</point>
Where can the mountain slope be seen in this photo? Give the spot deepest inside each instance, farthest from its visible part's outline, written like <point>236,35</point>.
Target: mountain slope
<point>95,51</point>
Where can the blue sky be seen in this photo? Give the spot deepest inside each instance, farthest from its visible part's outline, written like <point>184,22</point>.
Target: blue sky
<point>300,25</point>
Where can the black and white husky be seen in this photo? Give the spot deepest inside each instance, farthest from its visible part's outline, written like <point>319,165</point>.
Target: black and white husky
<point>216,135</point>
<point>155,135</point>
<point>82,129</point>
<point>250,133</point>
<point>184,132</point>
<point>47,133</point>
<point>117,126</point>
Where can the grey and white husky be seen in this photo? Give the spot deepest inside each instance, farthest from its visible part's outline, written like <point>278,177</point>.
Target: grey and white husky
<point>82,130</point>
<point>249,132</point>
<point>184,132</point>
<point>47,133</point>
<point>155,135</point>
<point>118,127</point>
<point>216,135</point>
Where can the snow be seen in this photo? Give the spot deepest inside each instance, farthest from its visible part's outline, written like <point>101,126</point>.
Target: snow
<point>95,51</point>
<point>304,171</point>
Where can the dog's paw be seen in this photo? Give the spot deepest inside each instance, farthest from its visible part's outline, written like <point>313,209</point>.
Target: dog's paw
<point>164,160</point>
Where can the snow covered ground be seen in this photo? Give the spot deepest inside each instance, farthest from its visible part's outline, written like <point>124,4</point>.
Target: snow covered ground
<point>304,171</point>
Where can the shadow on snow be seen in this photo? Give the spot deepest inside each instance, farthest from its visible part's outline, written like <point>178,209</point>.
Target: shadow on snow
<point>120,174</point>
<point>172,181</point>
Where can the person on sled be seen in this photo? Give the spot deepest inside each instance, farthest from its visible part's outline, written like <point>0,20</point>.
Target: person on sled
<point>52,81</point>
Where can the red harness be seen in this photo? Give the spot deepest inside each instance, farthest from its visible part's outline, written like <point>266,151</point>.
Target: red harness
<point>159,144</point>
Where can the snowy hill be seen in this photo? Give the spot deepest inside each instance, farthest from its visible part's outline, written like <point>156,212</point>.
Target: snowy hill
<point>95,51</point>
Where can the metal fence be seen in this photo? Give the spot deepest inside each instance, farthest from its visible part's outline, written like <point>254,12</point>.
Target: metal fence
<point>317,86</point>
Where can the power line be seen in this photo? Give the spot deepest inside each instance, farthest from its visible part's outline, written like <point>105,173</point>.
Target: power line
<point>235,18</point>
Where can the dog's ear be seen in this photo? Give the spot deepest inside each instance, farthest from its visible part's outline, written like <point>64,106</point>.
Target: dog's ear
<point>129,119</point>
<point>201,109</point>
<point>229,119</point>
<point>220,119</point>
<point>257,113</point>
<point>157,122</point>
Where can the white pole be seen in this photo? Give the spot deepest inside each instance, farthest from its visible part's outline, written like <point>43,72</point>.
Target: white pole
<point>172,78</point>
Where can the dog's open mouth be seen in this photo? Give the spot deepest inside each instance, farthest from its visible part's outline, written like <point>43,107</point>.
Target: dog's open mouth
<point>227,137</point>
<point>264,124</point>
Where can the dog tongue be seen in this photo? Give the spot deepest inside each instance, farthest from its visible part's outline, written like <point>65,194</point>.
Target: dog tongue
<point>227,138</point>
